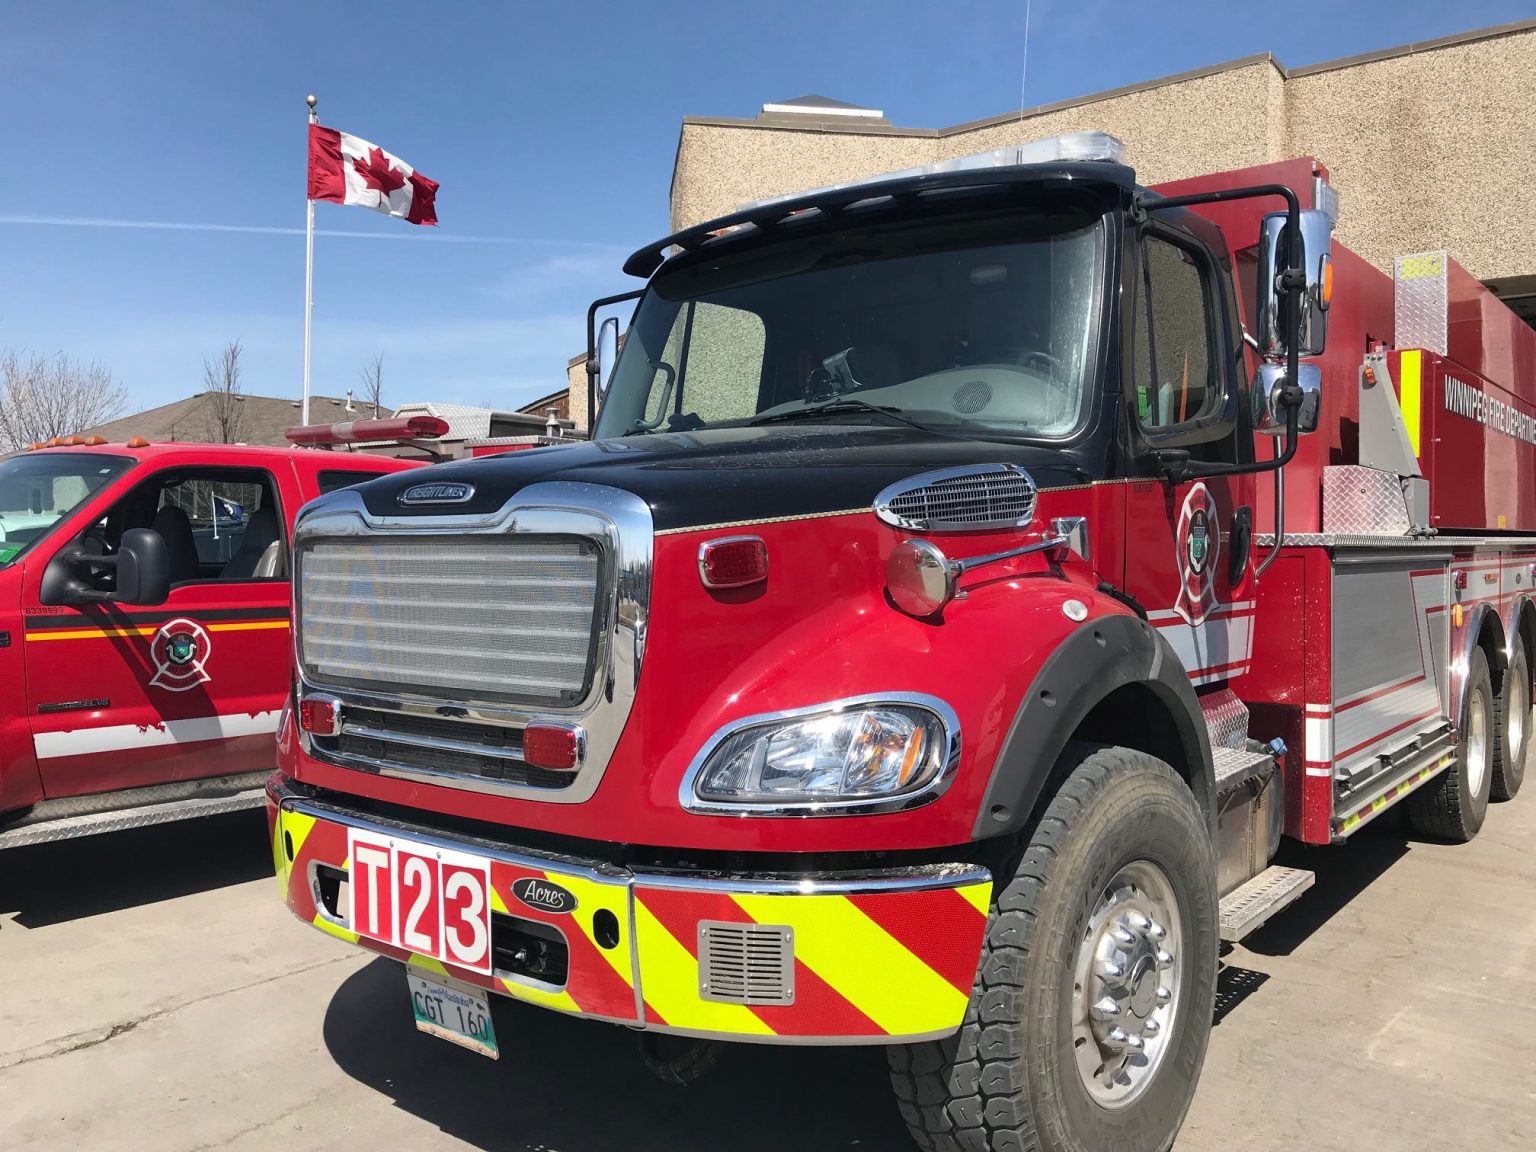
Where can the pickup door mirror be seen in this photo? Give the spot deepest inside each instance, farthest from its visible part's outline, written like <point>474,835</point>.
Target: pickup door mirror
<point>141,565</point>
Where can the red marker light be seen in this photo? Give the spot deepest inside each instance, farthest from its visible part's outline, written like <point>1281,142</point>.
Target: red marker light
<point>733,562</point>
<point>1461,581</point>
<point>319,716</point>
<point>556,747</point>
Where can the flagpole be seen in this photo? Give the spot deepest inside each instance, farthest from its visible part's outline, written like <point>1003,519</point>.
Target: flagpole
<point>309,273</point>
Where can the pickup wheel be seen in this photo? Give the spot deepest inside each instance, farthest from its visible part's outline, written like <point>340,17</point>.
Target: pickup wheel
<point>1088,1023</point>
<point>1452,806</point>
<point>1514,726</point>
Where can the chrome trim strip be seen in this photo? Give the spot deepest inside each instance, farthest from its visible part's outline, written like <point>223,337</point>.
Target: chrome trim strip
<point>417,740</point>
<point>621,525</point>
<point>438,776</point>
<point>887,515</point>
<point>949,755</point>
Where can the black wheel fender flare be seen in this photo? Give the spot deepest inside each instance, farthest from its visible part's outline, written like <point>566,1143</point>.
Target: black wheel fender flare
<point>1098,658</point>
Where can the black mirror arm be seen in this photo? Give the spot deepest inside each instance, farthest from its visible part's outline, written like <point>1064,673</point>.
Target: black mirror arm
<point>1176,465</point>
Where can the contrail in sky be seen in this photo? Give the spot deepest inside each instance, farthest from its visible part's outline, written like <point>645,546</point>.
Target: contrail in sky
<point>267,230</point>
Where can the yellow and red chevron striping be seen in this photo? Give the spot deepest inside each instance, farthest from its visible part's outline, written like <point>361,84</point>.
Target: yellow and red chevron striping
<point>819,1009</point>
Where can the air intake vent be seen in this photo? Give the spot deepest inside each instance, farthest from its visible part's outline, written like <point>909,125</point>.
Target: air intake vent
<point>960,500</point>
<point>746,963</point>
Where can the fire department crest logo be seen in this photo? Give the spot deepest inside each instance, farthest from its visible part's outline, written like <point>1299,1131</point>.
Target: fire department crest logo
<point>180,649</point>
<point>1199,547</point>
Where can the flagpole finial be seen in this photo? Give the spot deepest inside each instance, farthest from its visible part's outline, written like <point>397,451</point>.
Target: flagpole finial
<point>311,100</point>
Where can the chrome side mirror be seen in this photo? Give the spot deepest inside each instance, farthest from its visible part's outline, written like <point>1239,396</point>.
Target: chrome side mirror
<point>1272,315</point>
<point>1269,413</point>
<point>607,353</point>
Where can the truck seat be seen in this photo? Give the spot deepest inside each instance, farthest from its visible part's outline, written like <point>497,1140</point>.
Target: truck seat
<point>180,545</point>
<point>258,554</point>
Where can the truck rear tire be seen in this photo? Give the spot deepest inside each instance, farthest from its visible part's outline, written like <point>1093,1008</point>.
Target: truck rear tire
<point>1091,1011</point>
<point>1513,725</point>
<point>1452,807</point>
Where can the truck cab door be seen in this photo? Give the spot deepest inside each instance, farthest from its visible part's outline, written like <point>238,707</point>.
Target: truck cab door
<point>123,696</point>
<point>1189,556</point>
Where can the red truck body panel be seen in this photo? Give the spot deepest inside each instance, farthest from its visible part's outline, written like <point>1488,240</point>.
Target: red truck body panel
<point>98,707</point>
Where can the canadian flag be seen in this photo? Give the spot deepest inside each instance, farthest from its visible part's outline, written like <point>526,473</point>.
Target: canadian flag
<point>349,170</point>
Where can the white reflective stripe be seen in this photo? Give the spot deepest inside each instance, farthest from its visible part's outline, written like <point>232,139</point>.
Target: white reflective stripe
<point>1206,649</point>
<point>1320,772</point>
<point>125,737</point>
<point>1235,608</point>
<point>1318,742</point>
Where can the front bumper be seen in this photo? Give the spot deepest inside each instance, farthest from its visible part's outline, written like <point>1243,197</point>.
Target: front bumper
<point>861,958</point>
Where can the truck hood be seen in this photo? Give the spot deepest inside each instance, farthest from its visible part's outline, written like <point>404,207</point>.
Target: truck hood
<point>725,475</point>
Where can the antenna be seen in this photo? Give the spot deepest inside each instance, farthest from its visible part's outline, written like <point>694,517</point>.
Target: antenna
<point>1024,78</point>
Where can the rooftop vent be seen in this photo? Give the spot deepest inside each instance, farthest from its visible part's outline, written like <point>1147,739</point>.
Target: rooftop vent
<point>820,106</point>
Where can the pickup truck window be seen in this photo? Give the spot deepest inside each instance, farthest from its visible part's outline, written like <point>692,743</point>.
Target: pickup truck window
<point>218,523</point>
<point>38,490</point>
<point>334,479</point>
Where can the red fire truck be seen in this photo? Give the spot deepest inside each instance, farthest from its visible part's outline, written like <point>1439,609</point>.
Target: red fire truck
<point>146,598</point>
<point>975,573</point>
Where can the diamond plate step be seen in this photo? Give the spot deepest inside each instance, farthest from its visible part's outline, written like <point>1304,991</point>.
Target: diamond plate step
<point>46,823</point>
<point>1235,765</point>
<point>1246,908</point>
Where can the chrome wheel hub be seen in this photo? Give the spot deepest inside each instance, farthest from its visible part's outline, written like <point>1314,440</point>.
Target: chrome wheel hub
<point>1477,743</point>
<point>1519,717</point>
<point>1126,984</point>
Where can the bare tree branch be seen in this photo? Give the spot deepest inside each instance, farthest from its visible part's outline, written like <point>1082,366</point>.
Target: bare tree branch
<point>372,393</point>
<point>46,396</point>
<point>224,401</point>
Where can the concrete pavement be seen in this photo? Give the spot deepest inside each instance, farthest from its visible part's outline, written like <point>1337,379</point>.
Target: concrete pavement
<point>158,997</point>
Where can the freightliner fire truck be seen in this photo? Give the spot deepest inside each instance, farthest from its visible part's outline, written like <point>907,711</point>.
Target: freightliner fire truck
<point>947,622</point>
<point>144,623</point>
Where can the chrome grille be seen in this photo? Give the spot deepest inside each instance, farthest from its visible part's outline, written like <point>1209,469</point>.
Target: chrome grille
<point>960,500</point>
<point>500,618</point>
<point>746,963</point>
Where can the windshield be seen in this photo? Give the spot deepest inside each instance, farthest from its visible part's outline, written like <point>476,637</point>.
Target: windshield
<point>939,325</point>
<point>39,490</point>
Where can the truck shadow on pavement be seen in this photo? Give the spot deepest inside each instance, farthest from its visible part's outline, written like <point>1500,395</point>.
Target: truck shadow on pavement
<point>579,1086</point>
<point>69,879</point>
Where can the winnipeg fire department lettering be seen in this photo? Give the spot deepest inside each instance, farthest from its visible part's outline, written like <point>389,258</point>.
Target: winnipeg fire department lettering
<point>1476,405</point>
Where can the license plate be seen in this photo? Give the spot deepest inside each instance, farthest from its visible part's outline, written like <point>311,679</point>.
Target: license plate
<point>456,1012</point>
<point>432,901</point>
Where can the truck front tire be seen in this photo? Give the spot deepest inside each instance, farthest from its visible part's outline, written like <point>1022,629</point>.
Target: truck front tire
<point>1089,1020</point>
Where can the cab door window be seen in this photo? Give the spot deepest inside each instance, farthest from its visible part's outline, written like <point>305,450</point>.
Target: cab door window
<point>219,524</point>
<point>1174,369</point>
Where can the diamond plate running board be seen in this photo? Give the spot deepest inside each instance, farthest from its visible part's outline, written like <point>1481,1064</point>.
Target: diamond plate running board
<point>1246,908</point>
<point>162,804</point>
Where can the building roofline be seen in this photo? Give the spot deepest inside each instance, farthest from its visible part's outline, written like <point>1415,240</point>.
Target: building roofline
<point>847,125</point>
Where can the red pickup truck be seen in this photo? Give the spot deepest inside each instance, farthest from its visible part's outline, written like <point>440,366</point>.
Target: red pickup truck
<point>144,643</point>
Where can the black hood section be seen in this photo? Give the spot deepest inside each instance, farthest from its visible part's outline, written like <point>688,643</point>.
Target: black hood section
<point>724,475</point>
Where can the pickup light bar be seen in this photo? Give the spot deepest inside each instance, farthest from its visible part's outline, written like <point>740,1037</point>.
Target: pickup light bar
<point>368,431</point>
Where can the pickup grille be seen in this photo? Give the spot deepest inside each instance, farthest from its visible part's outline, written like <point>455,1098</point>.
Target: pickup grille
<point>507,619</point>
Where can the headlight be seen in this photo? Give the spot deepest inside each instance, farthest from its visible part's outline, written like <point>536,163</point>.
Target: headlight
<point>849,756</point>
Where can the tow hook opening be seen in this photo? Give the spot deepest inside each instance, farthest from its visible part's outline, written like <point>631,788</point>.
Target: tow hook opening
<point>679,1059</point>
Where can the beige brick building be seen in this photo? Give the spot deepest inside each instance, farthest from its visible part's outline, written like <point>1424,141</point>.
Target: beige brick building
<point>1430,145</point>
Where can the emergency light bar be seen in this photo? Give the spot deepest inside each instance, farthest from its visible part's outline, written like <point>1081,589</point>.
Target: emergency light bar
<point>368,431</point>
<point>1069,146</point>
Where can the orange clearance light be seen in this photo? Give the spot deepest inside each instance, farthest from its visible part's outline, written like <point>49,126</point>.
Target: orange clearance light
<point>55,441</point>
<point>138,442</point>
<point>556,747</point>
<point>93,441</point>
<point>733,562</point>
<point>36,444</point>
<point>1326,292</point>
<point>73,441</point>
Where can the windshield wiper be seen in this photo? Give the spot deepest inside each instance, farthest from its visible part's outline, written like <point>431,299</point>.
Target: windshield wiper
<point>833,407</point>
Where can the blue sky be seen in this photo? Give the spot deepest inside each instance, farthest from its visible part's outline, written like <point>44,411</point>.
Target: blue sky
<point>551,128</point>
